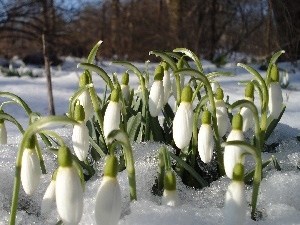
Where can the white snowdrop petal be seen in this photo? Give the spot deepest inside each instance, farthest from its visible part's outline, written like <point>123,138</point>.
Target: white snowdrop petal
<point>3,134</point>
<point>108,205</point>
<point>222,117</point>
<point>156,98</point>
<point>30,171</point>
<point>48,199</point>
<point>111,118</point>
<point>275,99</point>
<point>125,91</point>
<point>86,102</point>
<point>80,138</point>
<point>183,125</point>
<point>235,204</point>
<point>167,86</point>
<point>247,115</point>
<point>170,198</point>
<point>232,153</point>
<point>69,195</point>
<point>205,143</point>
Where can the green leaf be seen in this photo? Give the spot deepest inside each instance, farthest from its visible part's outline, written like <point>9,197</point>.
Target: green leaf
<point>197,177</point>
<point>166,58</point>
<point>133,124</point>
<point>272,123</point>
<point>17,100</point>
<point>156,129</point>
<point>93,52</point>
<point>99,71</point>
<point>130,66</point>
<point>250,175</point>
<point>192,55</point>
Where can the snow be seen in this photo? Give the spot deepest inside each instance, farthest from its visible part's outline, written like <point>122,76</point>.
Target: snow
<point>279,198</point>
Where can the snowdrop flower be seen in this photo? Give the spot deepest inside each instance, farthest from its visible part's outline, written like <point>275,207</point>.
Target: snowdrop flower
<point>234,154</point>
<point>156,96</point>
<point>80,136</point>
<point>170,196</point>
<point>235,199</point>
<point>275,94</point>
<point>246,113</point>
<point>206,138</point>
<point>108,205</point>
<point>112,114</point>
<point>49,196</point>
<point>166,83</point>
<point>3,132</point>
<point>69,192</point>
<point>30,170</point>
<point>221,113</point>
<point>85,98</point>
<point>125,87</point>
<point>183,120</point>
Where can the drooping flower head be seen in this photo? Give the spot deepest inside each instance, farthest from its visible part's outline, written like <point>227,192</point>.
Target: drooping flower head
<point>205,138</point>
<point>234,154</point>
<point>3,132</point>
<point>30,170</point>
<point>166,82</point>
<point>246,113</point>
<point>49,196</point>
<point>275,94</point>
<point>156,96</point>
<point>69,191</point>
<point>221,112</point>
<point>183,120</point>
<point>112,114</point>
<point>170,195</point>
<point>85,98</point>
<point>108,205</point>
<point>80,136</point>
<point>124,86</point>
<point>235,199</point>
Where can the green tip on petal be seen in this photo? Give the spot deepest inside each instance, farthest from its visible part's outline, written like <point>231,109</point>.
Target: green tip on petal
<point>206,117</point>
<point>187,94</point>
<point>54,175</point>
<point>30,143</point>
<point>180,63</point>
<point>170,181</point>
<point>79,113</point>
<point>125,78</point>
<point>65,157</point>
<point>249,91</point>
<point>1,119</point>
<point>238,172</point>
<point>159,73</point>
<point>274,73</point>
<point>114,95</point>
<point>165,65</point>
<point>84,79</point>
<point>111,167</point>
<point>237,122</point>
<point>219,94</point>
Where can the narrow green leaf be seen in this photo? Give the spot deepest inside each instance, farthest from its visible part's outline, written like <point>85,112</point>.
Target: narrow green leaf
<point>250,175</point>
<point>276,163</point>
<point>93,52</point>
<point>17,100</point>
<point>192,55</point>
<point>99,71</point>
<point>132,126</point>
<point>166,58</point>
<point>97,147</point>
<point>197,177</point>
<point>130,66</point>
<point>156,129</point>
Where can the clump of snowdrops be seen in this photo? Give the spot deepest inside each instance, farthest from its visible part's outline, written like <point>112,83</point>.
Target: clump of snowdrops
<point>201,127</point>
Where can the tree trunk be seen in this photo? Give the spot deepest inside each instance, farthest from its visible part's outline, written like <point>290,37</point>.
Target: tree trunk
<point>174,9</point>
<point>46,57</point>
<point>287,20</point>
<point>114,25</point>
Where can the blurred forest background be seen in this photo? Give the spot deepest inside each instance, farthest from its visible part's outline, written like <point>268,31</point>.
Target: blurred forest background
<point>131,28</point>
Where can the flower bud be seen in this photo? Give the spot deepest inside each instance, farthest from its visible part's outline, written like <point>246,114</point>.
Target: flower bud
<point>85,98</point>
<point>49,196</point>
<point>205,138</point>
<point>30,170</point>
<point>3,132</point>
<point>156,96</point>
<point>112,114</point>
<point>170,196</point>
<point>183,120</point>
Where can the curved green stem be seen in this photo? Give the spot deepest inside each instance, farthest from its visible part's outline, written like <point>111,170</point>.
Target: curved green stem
<point>122,137</point>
